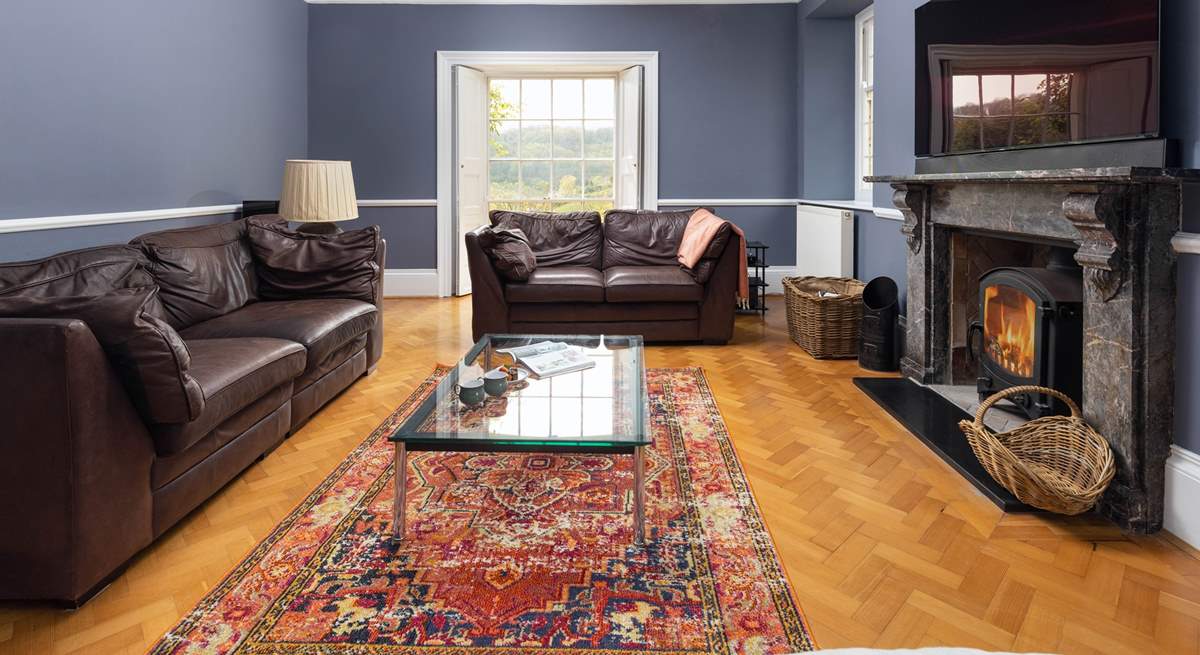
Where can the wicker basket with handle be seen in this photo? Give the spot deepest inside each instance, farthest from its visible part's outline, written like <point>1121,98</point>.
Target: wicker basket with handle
<point>1056,463</point>
<point>826,327</point>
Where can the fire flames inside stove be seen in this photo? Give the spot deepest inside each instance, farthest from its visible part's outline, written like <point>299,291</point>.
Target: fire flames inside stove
<point>1009,322</point>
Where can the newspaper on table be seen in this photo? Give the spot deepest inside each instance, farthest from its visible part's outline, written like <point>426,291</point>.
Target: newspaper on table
<point>549,358</point>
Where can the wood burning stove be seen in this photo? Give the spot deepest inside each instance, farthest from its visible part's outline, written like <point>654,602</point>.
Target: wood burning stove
<point>1030,332</point>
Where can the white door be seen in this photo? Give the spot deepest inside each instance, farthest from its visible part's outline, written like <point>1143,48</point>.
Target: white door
<point>470,154</point>
<point>629,141</point>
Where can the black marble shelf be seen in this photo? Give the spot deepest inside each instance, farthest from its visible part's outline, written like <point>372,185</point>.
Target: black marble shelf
<point>934,420</point>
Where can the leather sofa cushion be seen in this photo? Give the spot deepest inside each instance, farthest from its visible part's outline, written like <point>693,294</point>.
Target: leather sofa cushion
<point>597,312</point>
<point>557,239</point>
<point>204,272</point>
<point>233,373</point>
<point>87,272</point>
<point>148,356</point>
<point>169,467</point>
<point>643,238</point>
<point>321,325</point>
<point>558,284</point>
<point>509,251</point>
<point>292,265</point>
<point>650,284</point>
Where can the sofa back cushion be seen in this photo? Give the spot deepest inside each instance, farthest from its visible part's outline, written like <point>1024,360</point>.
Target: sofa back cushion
<point>557,239</point>
<point>148,355</point>
<point>510,252</point>
<point>643,238</point>
<point>87,272</point>
<point>292,265</point>
<point>204,272</point>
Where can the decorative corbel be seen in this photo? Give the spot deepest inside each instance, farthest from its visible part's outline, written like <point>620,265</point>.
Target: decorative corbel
<point>1099,217</point>
<point>910,199</point>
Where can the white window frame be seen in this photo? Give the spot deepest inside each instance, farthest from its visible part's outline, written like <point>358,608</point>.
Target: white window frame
<point>517,63</point>
<point>863,191</point>
<point>551,159</point>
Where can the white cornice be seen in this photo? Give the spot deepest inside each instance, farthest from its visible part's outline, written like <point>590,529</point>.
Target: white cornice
<point>552,2</point>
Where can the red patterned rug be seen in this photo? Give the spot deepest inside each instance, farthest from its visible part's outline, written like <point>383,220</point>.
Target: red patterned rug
<point>511,553</point>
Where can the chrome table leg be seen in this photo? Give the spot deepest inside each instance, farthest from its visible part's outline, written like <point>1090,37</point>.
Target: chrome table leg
<point>400,479</point>
<point>639,496</point>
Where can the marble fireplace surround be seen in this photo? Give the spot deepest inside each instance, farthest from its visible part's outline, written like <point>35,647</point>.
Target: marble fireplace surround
<point>1121,221</point>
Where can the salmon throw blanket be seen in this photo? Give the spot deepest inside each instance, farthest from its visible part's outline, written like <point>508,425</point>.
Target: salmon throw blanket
<point>701,228</point>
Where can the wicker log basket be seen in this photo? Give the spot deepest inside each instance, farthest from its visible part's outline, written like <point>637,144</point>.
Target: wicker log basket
<point>826,327</point>
<point>1056,463</point>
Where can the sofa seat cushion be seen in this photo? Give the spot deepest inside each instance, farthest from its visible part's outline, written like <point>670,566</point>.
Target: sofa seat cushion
<point>651,284</point>
<point>558,284</point>
<point>599,312</point>
<point>324,326</point>
<point>233,374</point>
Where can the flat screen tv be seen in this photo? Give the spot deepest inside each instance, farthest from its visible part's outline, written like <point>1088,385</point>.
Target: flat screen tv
<point>1006,74</point>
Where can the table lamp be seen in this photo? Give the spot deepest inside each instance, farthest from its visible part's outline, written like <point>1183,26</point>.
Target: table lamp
<point>317,193</point>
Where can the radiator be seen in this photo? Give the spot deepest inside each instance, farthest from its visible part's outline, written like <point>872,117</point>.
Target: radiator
<point>824,241</point>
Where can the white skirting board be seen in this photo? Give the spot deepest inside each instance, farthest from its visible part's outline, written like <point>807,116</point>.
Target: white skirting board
<point>775,276</point>
<point>409,282</point>
<point>1183,488</point>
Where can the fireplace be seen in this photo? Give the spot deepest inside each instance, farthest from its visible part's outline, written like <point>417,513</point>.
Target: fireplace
<point>1030,333</point>
<point>1116,224</point>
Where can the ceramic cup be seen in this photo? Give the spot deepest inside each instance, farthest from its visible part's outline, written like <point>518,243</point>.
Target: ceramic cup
<point>495,382</point>
<point>470,392</point>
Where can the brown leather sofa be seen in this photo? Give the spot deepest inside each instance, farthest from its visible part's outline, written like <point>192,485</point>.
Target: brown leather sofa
<point>616,276</point>
<point>86,481</point>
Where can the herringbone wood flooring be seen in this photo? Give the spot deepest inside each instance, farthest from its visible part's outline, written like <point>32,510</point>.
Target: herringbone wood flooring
<point>884,544</point>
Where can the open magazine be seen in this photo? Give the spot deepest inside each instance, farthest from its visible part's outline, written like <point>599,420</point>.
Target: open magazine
<point>548,358</point>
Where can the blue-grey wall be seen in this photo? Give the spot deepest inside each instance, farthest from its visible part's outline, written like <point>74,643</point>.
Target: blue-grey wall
<point>727,103</point>
<point>144,104</point>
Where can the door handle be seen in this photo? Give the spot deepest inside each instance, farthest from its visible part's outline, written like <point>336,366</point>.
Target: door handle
<point>975,326</point>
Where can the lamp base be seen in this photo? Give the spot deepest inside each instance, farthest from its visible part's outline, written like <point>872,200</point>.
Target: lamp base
<point>319,229</point>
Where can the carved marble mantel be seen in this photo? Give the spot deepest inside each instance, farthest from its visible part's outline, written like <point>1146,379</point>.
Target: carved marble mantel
<point>1120,222</point>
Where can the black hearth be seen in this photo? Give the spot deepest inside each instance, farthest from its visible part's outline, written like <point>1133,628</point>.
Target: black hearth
<point>1030,333</point>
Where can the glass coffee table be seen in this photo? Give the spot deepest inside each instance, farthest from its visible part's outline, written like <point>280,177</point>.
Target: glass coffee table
<point>599,410</point>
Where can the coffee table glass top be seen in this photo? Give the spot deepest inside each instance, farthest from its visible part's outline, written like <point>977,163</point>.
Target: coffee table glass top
<point>603,407</point>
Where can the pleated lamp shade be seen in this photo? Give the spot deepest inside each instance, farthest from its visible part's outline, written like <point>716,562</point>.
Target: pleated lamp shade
<point>316,191</point>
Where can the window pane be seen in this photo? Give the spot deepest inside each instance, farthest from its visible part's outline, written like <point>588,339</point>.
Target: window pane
<point>504,138</point>
<point>568,176</point>
<point>995,132</point>
<point>966,135</point>
<point>568,139</point>
<point>582,206</point>
<point>535,98</point>
<point>598,139</point>
<point>598,179</point>
<point>600,96</point>
<point>535,139</point>
<point>535,179</point>
<point>504,99</point>
<point>1058,128</point>
<point>997,95</point>
<point>502,183</point>
<point>1028,130</point>
<point>1059,89</point>
<point>568,98</point>
<point>1029,97</point>
<point>965,95</point>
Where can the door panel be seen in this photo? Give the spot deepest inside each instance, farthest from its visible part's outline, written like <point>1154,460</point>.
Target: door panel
<point>629,141</point>
<point>470,154</point>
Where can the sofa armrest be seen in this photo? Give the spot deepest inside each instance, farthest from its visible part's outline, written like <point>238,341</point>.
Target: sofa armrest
<point>720,294</point>
<point>375,337</point>
<point>75,462</point>
<point>489,309</point>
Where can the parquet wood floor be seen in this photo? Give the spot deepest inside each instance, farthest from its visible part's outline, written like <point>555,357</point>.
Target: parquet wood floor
<point>884,544</point>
